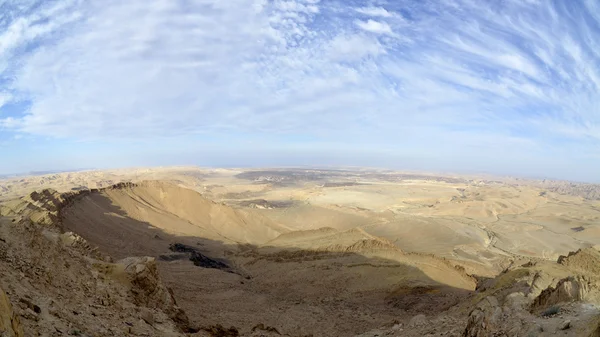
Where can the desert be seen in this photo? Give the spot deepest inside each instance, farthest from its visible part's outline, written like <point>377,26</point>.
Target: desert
<point>195,251</point>
<point>302,168</point>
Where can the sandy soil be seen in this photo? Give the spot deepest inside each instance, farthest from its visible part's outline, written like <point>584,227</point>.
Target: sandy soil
<point>293,277</point>
<point>369,246</point>
<point>455,217</point>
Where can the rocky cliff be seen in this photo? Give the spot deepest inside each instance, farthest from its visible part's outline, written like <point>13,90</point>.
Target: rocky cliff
<point>59,285</point>
<point>10,325</point>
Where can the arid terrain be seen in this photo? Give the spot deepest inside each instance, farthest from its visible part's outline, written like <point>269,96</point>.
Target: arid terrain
<point>297,252</point>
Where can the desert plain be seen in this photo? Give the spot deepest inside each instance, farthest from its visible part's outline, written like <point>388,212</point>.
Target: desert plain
<point>306,252</point>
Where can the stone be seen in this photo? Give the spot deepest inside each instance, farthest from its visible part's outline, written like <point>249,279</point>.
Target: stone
<point>10,325</point>
<point>565,325</point>
<point>484,319</point>
<point>148,290</point>
<point>147,316</point>
<point>30,305</point>
<point>418,320</point>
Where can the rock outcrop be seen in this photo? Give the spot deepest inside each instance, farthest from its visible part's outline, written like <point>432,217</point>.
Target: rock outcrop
<point>10,326</point>
<point>148,290</point>
<point>363,246</point>
<point>586,261</point>
<point>484,319</point>
<point>570,289</point>
<point>64,286</point>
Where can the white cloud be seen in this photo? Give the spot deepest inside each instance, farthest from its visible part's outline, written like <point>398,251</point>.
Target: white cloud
<point>4,98</point>
<point>354,47</point>
<point>10,123</point>
<point>525,71</point>
<point>296,6</point>
<point>374,26</point>
<point>374,11</point>
<point>25,29</point>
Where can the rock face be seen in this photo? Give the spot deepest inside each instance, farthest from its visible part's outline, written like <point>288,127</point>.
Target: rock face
<point>584,260</point>
<point>577,288</point>
<point>484,319</point>
<point>65,287</point>
<point>584,287</point>
<point>148,290</point>
<point>10,326</point>
<point>364,246</point>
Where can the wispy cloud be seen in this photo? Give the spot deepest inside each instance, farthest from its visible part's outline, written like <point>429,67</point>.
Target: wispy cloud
<point>374,11</point>
<point>354,47</point>
<point>4,98</point>
<point>425,77</point>
<point>374,26</point>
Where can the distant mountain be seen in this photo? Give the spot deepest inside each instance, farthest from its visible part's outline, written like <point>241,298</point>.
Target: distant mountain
<point>41,173</point>
<point>586,191</point>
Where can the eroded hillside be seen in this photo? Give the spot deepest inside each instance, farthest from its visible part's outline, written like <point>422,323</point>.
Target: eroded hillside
<point>156,259</point>
<point>295,276</point>
<point>59,285</point>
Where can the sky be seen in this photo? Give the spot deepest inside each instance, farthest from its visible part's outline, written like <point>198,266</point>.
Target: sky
<point>507,87</point>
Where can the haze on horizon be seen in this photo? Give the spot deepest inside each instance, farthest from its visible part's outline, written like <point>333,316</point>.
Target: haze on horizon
<point>510,87</point>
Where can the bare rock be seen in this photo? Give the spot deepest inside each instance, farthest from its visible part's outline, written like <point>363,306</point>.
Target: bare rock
<point>148,289</point>
<point>147,316</point>
<point>565,325</point>
<point>484,319</point>
<point>573,288</point>
<point>584,260</point>
<point>417,321</point>
<point>10,325</point>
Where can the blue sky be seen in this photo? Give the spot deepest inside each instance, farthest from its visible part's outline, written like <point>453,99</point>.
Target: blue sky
<point>507,87</point>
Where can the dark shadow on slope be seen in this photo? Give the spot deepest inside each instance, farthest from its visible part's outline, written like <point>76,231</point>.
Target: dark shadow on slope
<point>198,259</point>
<point>299,292</point>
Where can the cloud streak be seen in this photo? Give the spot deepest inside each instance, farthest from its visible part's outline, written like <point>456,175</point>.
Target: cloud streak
<point>414,77</point>
<point>374,11</point>
<point>374,26</point>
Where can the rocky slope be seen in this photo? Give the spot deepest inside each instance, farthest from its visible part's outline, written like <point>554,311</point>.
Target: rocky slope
<point>10,324</point>
<point>538,298</point>
<point>586,191</point>
<point>327,282</point>
<point>58,285</point>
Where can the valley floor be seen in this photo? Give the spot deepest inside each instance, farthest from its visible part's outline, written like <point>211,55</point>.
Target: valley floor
<point>324,252</point>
